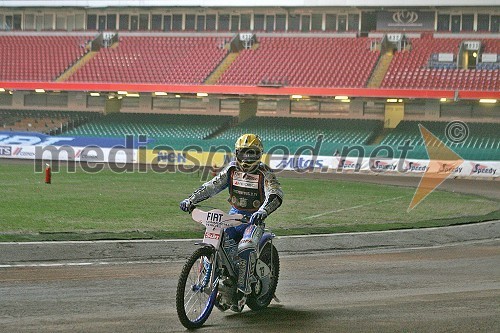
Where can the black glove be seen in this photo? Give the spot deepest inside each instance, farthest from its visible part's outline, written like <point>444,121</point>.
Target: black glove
<point>258,217</point>
<point>186,205</point>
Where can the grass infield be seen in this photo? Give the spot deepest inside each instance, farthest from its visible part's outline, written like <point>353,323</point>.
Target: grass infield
<point>109,205</point>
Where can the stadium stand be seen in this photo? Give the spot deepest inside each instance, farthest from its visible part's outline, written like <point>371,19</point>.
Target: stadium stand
<point>409,69</point>
<point>295,132</point>
<point>164,129</point>
<point>306,129</point>
<point>47,122</point>
<point>39,58</point>
<point>491,46</point>
<point>143,59</point>
<point>291,61</point>
<point>294,61</point>
<point>301,61</point>
<point>482,143</point>
<point>180,131</point>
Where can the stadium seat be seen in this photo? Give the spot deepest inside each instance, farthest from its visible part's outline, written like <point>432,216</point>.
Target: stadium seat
<point>407,64</point>
<point>146,59</point>
<point>54,54</point>
<point>313,62</point>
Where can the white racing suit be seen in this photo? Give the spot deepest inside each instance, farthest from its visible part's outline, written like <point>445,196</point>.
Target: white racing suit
<point>248,192</point>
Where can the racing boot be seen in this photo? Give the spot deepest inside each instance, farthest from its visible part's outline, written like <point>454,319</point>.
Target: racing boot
<point>239,302</point>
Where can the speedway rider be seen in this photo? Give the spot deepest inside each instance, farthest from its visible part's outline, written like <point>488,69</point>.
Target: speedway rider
<point>254,192</point>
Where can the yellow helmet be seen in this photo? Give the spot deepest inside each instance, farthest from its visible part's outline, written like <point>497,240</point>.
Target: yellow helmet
<point>248,150</point>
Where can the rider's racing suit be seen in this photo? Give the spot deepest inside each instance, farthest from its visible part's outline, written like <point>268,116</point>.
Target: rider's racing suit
<point>248,192</point>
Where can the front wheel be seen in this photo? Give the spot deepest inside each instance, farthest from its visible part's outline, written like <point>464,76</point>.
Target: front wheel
<point>264,289</point>
<point>195,293</point>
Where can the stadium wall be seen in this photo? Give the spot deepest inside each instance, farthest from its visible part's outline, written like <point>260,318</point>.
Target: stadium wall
<point>320,16</point>
<point>225,100</point>
<point>238,3</point>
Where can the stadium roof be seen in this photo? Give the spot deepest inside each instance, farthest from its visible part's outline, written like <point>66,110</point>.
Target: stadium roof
<point>244,3</point>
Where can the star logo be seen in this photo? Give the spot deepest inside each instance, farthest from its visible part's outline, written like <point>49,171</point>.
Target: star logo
<point>435,174</point>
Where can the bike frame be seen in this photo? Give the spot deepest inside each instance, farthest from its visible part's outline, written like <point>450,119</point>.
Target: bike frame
<point>215,221</point>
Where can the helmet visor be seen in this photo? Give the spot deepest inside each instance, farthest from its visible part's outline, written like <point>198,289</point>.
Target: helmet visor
<point>248,155</point>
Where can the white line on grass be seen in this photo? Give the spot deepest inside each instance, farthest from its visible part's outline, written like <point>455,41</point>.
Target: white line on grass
<point>353,207</point>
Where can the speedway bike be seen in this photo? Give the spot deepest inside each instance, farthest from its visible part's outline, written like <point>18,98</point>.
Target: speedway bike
<point>209,276</point>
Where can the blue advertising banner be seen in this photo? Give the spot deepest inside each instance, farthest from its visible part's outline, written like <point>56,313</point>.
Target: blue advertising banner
<point>38,139</point>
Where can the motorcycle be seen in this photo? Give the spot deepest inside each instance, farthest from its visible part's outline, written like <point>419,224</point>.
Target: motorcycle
<point>209,276</point>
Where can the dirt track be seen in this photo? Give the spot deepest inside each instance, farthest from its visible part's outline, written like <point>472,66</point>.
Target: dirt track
<point>444,289</point>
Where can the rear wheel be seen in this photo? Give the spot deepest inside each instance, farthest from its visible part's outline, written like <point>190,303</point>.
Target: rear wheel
<point>195,296</point>
<point>264,289</point>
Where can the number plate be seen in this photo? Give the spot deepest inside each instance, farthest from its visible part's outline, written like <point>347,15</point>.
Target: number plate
<point>262,269</point>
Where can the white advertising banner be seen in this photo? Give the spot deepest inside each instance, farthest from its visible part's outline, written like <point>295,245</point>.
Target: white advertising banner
<point>278,162</point>
<point>68,153</point>
<point>383,165</point>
